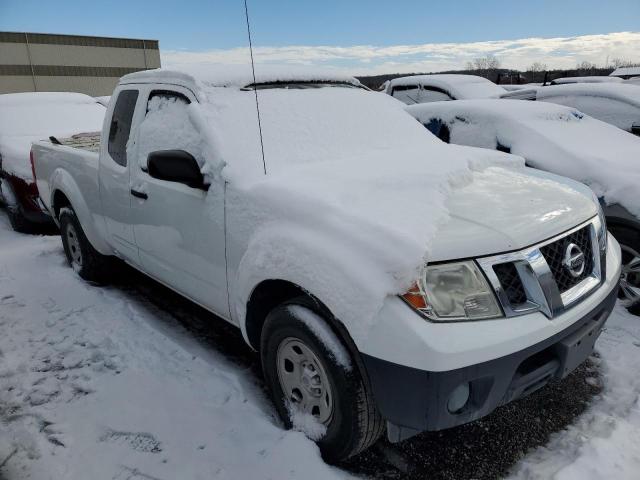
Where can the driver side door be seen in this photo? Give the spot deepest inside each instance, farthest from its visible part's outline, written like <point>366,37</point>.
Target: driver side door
<point>179,229</point>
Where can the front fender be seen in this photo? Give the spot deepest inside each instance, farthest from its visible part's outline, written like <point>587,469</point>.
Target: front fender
<point>343,275</point>
<point>62,181</point>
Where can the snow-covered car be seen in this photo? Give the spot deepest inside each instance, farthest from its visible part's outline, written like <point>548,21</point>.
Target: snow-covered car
<point>561,140</point>
<point>104,100</point>
<point>441,87</point>
<point>24,118</point>
<point>590,79</point>
<point>614,103</point>
<point>384,288</point>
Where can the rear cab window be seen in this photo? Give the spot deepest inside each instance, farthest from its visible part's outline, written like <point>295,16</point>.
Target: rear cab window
<point>120,127</point>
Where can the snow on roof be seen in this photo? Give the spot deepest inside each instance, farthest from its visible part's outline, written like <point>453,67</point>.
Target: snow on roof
<point>460,86</point>
<point>623,92</point>
<point>591,79</point>
<point>624,71</point>
<point>219,75</point>
<point>551,137</point>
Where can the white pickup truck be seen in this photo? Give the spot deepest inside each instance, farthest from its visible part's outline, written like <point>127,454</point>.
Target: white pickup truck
<point>384,288</point>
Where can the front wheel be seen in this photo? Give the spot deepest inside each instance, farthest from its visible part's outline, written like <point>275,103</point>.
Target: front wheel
<point>82,257</point>
<point>629,293</point>
<point>315,385</point>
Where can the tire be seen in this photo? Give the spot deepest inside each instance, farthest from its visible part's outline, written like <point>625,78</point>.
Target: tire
<point>629,240</point>
<point>82,257</point>
<point>354,423</point>
<point>18,221</point>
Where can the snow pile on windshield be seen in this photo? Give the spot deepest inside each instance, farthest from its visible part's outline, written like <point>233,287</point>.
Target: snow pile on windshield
<point>459,86</point>
<point>28,117</point>
<point>551,137</point>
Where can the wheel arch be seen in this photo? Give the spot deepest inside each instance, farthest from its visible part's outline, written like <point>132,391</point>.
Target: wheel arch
<point>270,293</point>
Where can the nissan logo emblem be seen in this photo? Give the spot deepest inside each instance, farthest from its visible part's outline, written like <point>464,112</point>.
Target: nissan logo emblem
<point>573,260</point>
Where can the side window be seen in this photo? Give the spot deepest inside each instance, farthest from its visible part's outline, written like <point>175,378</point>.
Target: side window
<point>168,125</point>
<point>439,129</point>
<point>431,94</point>
<point>406,93</point>
<point>121,125</point>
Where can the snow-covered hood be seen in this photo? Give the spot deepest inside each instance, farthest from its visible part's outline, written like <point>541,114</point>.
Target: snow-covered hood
<point>551,137</point>
<point>503,210</point>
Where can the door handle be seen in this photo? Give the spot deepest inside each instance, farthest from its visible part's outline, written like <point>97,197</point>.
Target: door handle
<point>138,194</point>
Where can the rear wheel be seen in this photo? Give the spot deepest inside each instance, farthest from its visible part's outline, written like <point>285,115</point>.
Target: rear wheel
<point>18,221</point>
<point>629,293</point>
<point>315,384</point>
<point>82,257</point>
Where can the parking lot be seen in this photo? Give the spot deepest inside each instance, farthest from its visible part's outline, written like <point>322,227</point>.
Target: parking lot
<point>195,401</point>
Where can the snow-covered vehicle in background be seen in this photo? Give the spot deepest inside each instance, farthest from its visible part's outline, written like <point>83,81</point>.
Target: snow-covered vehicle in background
<point>442,87</point>
<point>389,281</point>
<point>104,100</point>
<point>24,118</point>
<point>589,79</point>
<point>561,140</point>
<point>614,103</point>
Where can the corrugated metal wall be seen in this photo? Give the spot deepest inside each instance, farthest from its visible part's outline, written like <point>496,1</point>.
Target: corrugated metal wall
<point>70,63</point>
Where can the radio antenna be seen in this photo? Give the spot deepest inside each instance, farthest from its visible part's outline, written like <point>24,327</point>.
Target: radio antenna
<point>255,86</point>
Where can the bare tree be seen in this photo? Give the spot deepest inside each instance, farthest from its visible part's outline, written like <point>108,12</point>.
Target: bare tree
<point>485,65</point>
<point>622,62</point>
<point>586,66</point>
<point>536,67</point>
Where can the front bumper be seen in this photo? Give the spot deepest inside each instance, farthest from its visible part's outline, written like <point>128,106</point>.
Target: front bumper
<point>413,400</point>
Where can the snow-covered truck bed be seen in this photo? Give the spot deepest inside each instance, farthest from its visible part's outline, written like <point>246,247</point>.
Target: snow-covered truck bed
<point>332,237</point>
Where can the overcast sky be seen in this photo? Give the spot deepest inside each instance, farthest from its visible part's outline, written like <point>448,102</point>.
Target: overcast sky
<point>359,36</point>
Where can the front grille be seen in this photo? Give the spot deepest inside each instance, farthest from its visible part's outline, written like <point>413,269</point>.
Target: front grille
<point>511,283</point>
<point>554,254</point>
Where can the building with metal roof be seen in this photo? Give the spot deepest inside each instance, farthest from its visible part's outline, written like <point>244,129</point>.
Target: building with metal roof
<point>39,62</point>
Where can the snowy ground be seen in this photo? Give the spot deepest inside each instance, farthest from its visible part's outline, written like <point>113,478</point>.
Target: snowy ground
<point>114,383</point>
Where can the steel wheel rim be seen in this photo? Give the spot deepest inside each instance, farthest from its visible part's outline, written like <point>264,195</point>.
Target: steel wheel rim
<point>303,380</point>
<point>630,277</point>
<point>73,245</point>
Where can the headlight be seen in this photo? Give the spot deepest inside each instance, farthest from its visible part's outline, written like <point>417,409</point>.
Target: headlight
<point>453,292</point>
<point>601,226</point>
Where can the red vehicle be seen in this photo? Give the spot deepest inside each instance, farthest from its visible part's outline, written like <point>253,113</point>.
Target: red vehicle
<point>27,117</point>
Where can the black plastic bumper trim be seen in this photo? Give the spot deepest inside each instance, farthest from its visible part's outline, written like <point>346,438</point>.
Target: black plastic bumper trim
<point>413,400</point>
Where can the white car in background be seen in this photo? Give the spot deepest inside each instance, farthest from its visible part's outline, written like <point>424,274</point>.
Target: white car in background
<point>25,118</point>
<point>440,87</point>
<point>560,140</point>
<point>614,103</point>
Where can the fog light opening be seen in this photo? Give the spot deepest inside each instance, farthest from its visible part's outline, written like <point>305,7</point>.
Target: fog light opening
<point>459,398</point>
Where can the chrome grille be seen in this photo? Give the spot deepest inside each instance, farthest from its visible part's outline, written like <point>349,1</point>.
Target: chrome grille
<point>510,281</point>
<point>541,277</point>
<point>554,255</point>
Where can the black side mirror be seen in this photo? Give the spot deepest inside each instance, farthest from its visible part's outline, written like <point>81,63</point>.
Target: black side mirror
<point>176,166</point>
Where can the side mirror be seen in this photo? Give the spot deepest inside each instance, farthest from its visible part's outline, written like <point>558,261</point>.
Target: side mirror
<point>176,166</point>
